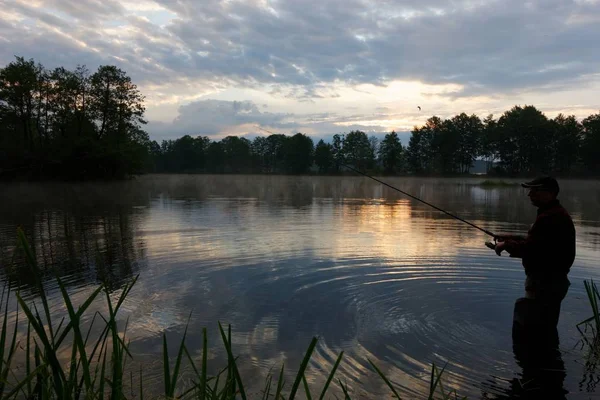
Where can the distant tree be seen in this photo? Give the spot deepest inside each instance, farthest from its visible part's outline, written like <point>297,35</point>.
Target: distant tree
<point>391,153</point>
<point>591,144</point>
<point>324,157</point>
<point>415,152</point>
<point>275,153</point>
<point>525,141</point>
<point>65,123</point>
<point>19,94</point>
<point>489,145</point>
<point>357,150</point>
<point>470,131</point>
<point>237,154</point>
<point>374,147</point>
<point>568,135</point>
<point>260,151</point>
<point>298,154</point>
<point>215,157</point>
<point>337,150</point>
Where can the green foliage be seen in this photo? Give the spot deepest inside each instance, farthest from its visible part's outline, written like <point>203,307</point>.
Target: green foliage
<point>324,157</point>
<point>591,144</point>
<point>391,153</point>
<point>299,152</point>
<point>76,124</point>
<point>357,150</point>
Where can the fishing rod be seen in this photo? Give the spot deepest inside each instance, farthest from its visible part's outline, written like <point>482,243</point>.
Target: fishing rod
<point>488,244</point>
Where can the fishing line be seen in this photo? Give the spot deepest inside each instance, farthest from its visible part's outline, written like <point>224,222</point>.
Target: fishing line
<point>422,201</point>
<point>490,245</point>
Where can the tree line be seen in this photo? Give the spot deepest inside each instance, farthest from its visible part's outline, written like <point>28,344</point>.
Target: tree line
<point>78,124</point>
<point>522,141</point>
<point>70,123</point>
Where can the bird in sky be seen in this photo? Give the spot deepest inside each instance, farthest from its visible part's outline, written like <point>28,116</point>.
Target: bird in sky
<point>419,107</point>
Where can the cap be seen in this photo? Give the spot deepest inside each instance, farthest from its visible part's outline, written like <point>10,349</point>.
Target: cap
<point>544,183</point>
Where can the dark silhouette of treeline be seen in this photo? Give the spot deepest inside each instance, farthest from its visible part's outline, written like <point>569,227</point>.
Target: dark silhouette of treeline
<point>74,124</point>
<point>523,141</point>
<point>70,124</point>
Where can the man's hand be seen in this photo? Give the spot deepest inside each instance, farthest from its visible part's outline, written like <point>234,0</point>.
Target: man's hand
<point>500,247</point>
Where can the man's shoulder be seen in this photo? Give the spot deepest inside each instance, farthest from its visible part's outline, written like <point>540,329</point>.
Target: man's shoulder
<point>557,216</point>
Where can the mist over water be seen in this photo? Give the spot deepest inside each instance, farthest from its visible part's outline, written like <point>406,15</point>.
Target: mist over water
<point>285,258</point>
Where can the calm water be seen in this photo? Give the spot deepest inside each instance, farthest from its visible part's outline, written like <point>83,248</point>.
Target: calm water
<point>284,259</point>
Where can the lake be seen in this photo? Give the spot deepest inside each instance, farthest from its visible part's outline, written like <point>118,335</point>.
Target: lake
<point>285,258</point>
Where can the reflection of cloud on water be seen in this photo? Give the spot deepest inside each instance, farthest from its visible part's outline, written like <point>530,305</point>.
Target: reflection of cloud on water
<point>284,258</point>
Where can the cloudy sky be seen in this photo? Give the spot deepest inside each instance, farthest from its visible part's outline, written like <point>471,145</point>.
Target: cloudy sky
<point>321,66</point>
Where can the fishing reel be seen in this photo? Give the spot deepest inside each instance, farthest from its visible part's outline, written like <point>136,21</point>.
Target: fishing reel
<point>492,245</point>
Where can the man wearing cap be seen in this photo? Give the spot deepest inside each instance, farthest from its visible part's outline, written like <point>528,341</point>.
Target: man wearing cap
<point>547,254</point>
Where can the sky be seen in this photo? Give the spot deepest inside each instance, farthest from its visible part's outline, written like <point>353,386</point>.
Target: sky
<point>249,67</point>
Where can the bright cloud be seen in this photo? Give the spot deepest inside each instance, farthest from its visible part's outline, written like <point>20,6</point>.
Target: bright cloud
<point>321,66</point>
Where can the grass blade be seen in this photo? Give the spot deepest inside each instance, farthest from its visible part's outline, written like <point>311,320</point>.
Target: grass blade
<point>26,381</point>
<point>345,390</point>
<point>166,371</point>
<point>141,384</point>
<point>385,379</point>
<point>32,263</point>
<point>267,391</point>
<point>303,366</point>
<point>331,375</point>
<point>59,376</point>
<point>280,384</point>
<point>204,364</point>
<point>306,388</point>
<point>79,313</point>
<point>178,361</point>
<point>233,363</point>
<point>77,336</point>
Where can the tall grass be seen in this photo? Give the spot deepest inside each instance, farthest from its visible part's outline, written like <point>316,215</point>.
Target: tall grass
<point>96,364</point>
<point>590,327</point>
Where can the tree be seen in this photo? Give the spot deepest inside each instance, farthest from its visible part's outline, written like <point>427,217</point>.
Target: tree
<point>415,153</point>
<point>298,153</point>
<point>116,104</point>
<point>275,152</point>
<point>19,94</point>
<point>259,149</point>
<point>391,153</point>
<point>568,134</point>
<point>215,157</point>
<point>525,141</point>
<point>489,146</point>
<point>337,150</point>
<point>374,147</point>
<point>236,153</point>
<point>469,130</point>
<point>324,157</point>
<point>591,144</point>
<point>357,150</point>
<point>65,123</point>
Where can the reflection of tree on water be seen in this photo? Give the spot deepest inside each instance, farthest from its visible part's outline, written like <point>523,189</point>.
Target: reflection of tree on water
<point>82,244</point>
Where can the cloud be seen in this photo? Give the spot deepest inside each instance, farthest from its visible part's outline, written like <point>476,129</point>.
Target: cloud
<point>486,46</point>
<point>218,118</point>
<point>305,57</point>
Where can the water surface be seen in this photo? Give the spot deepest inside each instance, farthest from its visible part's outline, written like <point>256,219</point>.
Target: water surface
<point>283,259</point>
